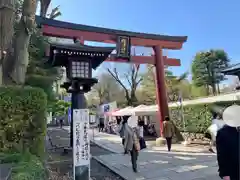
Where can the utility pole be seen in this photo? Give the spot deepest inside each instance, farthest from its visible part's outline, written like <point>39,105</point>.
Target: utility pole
<point>1,46</point>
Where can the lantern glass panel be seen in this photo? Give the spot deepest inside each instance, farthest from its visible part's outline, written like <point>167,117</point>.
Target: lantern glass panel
<point>80,69</point>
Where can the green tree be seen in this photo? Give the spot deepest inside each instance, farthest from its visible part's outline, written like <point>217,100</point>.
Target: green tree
<point>206,68</point>
<point>147,90</point>
<point>39,74</point>
<point>198,91</point>
<point>174,85</point>
<point>60,108</point>
<point>16,61</point>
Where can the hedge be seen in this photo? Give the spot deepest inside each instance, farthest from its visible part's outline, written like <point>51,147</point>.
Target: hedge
<point>22,119</point>
<point>25,166</point>
<point>197,117</point>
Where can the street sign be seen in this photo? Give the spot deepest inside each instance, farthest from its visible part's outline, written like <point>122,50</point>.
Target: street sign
<point>67,98</point>
<point>81,144</point>
<point>69,115</point>
<point>92,119</point>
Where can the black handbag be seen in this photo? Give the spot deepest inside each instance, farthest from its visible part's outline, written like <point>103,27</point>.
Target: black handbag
<point>142,143</point>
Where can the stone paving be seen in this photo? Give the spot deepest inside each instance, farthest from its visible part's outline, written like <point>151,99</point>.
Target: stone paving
<point>113,143</point>
<point>5,171</point>
<point>155,163</point>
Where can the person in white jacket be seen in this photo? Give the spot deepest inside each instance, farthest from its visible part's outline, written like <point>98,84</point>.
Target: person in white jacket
<point>217,123</point>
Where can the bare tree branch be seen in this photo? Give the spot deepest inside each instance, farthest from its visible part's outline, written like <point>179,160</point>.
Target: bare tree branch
<point>132,78</point>
<point>115,75</point>
<point>139,81</point>
<point>127,77</point>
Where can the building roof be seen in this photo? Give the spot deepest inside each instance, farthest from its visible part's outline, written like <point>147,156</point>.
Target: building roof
<point>232,70</point>
<point>67,25</point>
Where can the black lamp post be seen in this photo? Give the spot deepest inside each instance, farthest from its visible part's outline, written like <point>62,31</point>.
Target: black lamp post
<point>79,61</point>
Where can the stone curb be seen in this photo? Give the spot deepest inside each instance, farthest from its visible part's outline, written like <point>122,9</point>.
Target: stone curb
<point>107,165</point>
<point>152,148</point>
<point>206,152</point>
<point>107,148</point>
<point>7,171</point>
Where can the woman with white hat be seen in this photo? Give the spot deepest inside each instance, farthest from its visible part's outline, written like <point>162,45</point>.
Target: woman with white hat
<point>228,143</point>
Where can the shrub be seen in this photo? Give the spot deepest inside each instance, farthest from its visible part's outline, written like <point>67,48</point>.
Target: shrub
<point>25,166</point>
<point>197,117</point>
<point>43,82</point>
<point>22,119</point>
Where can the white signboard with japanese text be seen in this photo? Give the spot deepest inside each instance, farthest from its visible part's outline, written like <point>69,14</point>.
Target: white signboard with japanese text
<point>81,144</point>
<point>92,119</point>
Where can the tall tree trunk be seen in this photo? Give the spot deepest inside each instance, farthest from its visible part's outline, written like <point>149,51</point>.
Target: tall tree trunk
<point>207,89</point>
<point>7,17</point>
<point>25,28</point>
<point>213,89</point>
<point>218,88</point>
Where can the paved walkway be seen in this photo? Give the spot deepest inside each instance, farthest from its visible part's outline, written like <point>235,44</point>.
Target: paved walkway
<point>113,143</point>
<point>155,163</point>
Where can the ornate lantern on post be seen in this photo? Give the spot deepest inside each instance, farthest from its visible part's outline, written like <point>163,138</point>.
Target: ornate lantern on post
<point>79,61</point>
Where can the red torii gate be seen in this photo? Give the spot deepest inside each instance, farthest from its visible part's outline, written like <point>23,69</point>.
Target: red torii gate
<point>55,28</point>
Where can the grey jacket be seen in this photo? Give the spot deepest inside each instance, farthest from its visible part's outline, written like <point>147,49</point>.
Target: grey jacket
<point>122,129</point>
<point>131,137</point>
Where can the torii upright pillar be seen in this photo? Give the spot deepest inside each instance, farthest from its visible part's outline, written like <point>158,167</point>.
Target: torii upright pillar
<point>160,86</point>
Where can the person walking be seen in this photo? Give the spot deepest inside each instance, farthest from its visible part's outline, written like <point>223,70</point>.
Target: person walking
<point>101,124</point>
<point>217,124</point>
<point>122,128</point>
<point>131,143</point>
<point>228,144</point>
<point>61,123</point>
<point>168,131</point>
<point>141,135</point>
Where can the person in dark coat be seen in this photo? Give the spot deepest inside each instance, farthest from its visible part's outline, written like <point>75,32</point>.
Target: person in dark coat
<point>227,143</point>
<point>101,124</point>
<point>122,130</point>
<point>61,123</point>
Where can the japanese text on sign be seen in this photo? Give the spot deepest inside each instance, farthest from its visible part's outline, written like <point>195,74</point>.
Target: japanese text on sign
<point>81,140</point>
<point>123,47</point>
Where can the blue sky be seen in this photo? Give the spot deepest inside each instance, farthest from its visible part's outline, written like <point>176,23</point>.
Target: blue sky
<point>207,23</point>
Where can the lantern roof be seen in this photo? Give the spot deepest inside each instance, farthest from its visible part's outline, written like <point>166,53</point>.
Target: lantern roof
<point>60,53</point>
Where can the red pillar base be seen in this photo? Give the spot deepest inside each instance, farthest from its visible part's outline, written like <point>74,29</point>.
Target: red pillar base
<point>160,86</point>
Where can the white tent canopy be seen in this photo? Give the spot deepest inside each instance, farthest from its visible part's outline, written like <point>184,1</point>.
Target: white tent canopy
<point>213,99</point>
<point>153,109</point>
<point>146,111</point>
<point>123,112</point>
<point>128,111</point>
